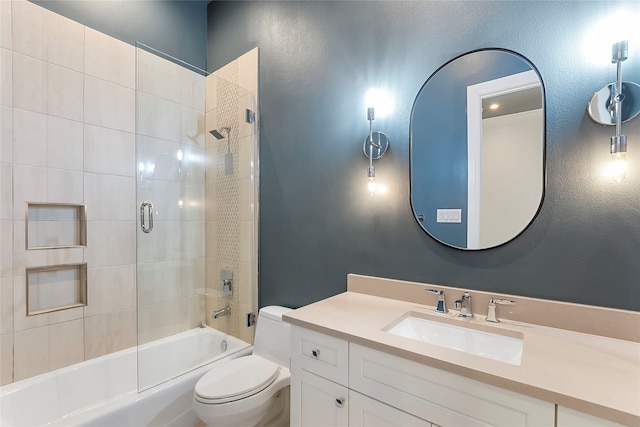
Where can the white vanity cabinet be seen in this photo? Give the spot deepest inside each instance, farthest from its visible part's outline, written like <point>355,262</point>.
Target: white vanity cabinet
<point>445,399</point>
<point>570,418</point>
<point>316,401</point>
<point>337,383</point>
<point>367,412</point>
<point>319,379</point>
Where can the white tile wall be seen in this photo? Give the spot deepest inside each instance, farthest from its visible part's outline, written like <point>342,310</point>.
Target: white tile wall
<point>64,42</point>
<point>158,117</point>
<point>109,105</point>
<point>64,186</point>
<point>110,197</point>
<point>6,79</point>
<point>5,24</point>
<point>64,93</point>
<point>29,138</point>
<point>111,289</point>
<point>193,164</point>
<point>6,356</point>
<point>192,126</point>
<point>159,157</point>
<point>247,70</point>
<point>64,144</point>
<point>66,344</point>
<point>6,249</point>
<point>109,151</point>
<point>115,243</point>
<point>30,352</point>
<point>6,134</point>
<point>29,83</point>
<point>158,76</point>
<point>6,305</point>
<point>69,135</point>
<point>28,28</point>
<point>109,59</point>
<point>29,185</point>
<point>192,89</point>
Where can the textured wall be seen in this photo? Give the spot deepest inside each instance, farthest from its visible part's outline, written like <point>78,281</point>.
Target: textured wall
<point>317,221</point>
<point>177,28</point>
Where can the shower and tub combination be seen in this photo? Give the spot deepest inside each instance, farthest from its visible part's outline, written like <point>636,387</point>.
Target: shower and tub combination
<point>103,392</point>
<point>130,351</point>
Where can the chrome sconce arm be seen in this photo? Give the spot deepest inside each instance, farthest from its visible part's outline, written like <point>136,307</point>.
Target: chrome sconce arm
<point>376,145</point>
<point>606,107</point>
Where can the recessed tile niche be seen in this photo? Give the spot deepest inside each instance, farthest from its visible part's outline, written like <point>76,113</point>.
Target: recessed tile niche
<point>58,287</point>
<point>51,226</point>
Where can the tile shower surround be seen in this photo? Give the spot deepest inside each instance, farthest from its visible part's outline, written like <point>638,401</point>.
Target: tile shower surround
<point>68,135</point>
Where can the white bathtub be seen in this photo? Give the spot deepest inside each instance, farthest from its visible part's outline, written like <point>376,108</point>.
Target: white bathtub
<point>104,391</point>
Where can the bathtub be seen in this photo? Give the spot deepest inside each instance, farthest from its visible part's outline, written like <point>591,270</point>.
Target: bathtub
<point>103,392</point>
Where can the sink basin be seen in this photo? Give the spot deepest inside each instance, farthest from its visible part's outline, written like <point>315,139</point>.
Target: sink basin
<point>496,346</point>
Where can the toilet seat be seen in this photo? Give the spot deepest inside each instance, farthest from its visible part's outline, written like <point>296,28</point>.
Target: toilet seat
<point>236,379</point>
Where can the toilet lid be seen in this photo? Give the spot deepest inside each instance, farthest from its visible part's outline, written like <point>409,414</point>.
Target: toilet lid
<point>236,379</point>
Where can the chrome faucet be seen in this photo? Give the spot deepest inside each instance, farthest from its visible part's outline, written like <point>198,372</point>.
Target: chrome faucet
<point>442,306</point>
<point>464,305</point>
<point>491,313</point>
<point>226,311</point>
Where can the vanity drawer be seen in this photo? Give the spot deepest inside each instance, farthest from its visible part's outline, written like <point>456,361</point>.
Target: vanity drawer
<point>321,354</point>
<point>441,397</point>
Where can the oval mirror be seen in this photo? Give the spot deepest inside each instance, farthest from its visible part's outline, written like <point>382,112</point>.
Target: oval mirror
<point>477,149</point>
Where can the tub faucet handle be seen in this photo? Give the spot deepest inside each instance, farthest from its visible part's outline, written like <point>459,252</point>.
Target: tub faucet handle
<point>491,313</point>
<point>442,306</point>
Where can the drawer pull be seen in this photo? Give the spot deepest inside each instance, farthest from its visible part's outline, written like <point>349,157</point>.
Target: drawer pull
<point>315,353</point>
<point>340,402</point>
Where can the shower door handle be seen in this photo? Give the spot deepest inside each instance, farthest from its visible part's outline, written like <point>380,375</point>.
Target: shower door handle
<point>149,207</point>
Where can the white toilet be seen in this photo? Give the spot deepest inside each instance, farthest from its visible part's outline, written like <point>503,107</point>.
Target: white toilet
<point>251,390</point>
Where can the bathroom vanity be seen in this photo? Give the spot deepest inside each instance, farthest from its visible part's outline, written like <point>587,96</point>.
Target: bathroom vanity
<point>351,366</point>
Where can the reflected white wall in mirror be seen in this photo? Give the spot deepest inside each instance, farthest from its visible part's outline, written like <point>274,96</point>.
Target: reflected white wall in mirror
<point>504,125</point>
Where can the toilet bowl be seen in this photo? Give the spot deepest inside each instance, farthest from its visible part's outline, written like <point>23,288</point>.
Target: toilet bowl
<point>250,390</point>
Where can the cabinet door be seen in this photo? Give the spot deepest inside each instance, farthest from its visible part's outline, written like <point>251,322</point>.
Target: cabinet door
<point>441,397</point>
<point>316,401</point>
<point>571,418</point>
<point>367,412</point>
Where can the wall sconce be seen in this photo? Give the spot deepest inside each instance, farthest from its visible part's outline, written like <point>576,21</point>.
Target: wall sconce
<point>375,146</point>
<point>615,104</point>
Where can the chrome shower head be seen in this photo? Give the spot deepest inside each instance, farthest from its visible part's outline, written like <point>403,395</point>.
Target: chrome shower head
<point>217,132</point>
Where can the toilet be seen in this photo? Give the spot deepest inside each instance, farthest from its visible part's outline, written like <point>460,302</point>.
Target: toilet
<point>251,390</point>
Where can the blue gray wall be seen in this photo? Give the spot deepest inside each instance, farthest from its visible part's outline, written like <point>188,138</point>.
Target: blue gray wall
<point>177,28</point>
<point>317,221</point>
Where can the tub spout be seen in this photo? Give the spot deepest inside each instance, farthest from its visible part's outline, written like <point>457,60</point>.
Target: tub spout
<point>222,312</point>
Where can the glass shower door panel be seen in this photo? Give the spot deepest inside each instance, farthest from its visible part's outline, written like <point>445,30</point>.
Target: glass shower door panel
<point>170,147</point>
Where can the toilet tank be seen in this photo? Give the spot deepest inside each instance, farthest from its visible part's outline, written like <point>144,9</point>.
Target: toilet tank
<point>273,335</point>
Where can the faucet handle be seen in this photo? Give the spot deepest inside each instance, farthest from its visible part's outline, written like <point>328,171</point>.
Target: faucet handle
<point>501,301</point>
<point>491,313</point>
<point>442,307</point>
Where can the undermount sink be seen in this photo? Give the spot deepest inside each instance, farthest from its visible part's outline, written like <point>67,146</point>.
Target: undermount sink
<point>496,346</point>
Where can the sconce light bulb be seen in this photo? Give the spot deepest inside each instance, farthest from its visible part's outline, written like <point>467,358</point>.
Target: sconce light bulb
<point>180,203</point>
<point>372,186</point>
<point>179,155</point>
<point>618,167</point>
